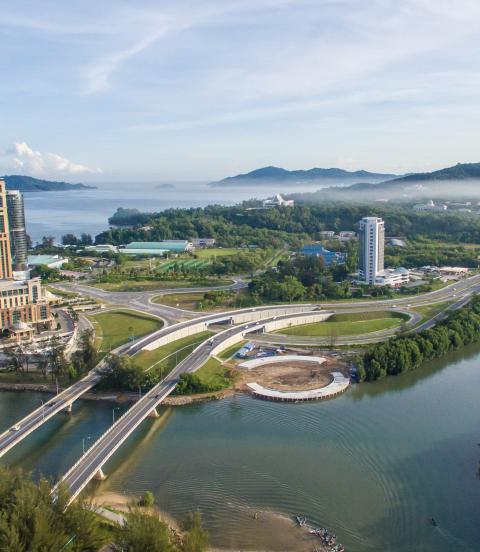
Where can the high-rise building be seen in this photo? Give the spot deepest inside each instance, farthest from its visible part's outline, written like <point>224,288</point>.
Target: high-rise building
<point>5,249</point>
<point>18,234</point>
<point>372,243</point>
<point>23,305</point>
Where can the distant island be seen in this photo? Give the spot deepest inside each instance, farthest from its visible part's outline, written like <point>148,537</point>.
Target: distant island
<point>165,186</point>
<point>275,175</point>
<point>30,184</point>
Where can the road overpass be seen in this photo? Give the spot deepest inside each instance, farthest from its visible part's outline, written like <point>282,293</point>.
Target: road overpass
<point>64,400</point>
<point>90,465</point>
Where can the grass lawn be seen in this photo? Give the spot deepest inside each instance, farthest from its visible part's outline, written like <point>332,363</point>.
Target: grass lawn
<point>349,324</point>
<point>213,374</point>
<point>429,311</point>
<point>189,300</point>
<point>227,353</point>
<point>113,329</point>
<point>146,359</point>
<point>210,252</point>
<point>151,285</point>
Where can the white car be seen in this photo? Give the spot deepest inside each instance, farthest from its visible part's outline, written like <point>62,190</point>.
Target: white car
<point>15,428</point>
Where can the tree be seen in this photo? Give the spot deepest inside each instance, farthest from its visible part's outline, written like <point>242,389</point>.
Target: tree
<point>86,239</point>
<point>148,499</point>
<point>69,239</point>
<point>31,522</point>
<point>195,538</point>
<point>143,532</point>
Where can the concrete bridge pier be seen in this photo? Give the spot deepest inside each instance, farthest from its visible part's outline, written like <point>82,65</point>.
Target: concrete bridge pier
<point>153,413</point>
<point>68,409</point>
<point>99,475</point>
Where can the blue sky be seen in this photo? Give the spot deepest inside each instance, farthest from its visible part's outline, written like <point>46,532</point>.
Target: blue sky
<point>198,90</point>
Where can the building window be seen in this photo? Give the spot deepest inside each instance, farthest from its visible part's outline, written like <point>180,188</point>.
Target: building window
<point>43,312</point>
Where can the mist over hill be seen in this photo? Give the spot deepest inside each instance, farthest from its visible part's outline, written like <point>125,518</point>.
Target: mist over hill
<point>274,175</point>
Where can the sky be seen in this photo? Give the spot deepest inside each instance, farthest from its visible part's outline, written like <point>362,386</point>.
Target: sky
<point>119,91</point>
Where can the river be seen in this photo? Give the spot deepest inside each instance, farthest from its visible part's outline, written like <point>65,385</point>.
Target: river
<point>374,465</point>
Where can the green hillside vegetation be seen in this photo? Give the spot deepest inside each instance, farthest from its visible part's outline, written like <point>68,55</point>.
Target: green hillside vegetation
<point>402,354</point>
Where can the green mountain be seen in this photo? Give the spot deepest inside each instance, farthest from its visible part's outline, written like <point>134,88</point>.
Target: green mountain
<point>461,171</point>
<point>30,184</point>
<point>273,175</point>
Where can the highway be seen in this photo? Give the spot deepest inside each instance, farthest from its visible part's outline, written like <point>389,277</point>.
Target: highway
<point>94,459</point>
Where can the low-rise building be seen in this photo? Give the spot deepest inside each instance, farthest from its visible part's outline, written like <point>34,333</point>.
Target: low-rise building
<point>395,242</point>
<point>346,235</point>
<point>24,301</point>
<point>157,248</point>
<point>329,257</point>
<point>430,206</point>
<point>52,261</point>
<point>203,242</point>
<point>277,201</point>
<point>102,248</point>
<point>327,234</point>
<point>393,277</point>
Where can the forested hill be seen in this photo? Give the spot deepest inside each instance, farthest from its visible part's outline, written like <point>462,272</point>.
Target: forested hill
<point>274,175</point>
<point>461,171</point>
<point>237,226</point>
<point>416,185</point>
<point>30,184</point>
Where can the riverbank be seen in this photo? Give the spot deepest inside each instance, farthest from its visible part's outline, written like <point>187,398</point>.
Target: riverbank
<point>120,398</point>
<point>283,532</point>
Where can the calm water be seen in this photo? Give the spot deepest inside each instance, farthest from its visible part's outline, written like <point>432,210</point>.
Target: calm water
<point>374,464</point>
<point>58,213</point>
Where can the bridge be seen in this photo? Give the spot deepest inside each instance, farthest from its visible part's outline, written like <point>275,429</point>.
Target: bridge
<point>64,400</point>
<point>90,465</point>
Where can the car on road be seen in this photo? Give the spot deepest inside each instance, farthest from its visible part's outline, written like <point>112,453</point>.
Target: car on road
<point>15,428</point>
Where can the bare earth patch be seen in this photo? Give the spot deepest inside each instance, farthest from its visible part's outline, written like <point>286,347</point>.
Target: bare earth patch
<point>293,375</point>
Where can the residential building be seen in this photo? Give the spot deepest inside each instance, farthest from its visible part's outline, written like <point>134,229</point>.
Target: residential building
<point>5,248</point>
<point>278,201</point>
<point>327,234</point>
<point>329,257</point>
<point>18,234</point>
<point>430,206</point>
<point>372,245</point>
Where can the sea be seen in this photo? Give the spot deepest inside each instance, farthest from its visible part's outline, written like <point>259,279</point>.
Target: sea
<point>87,211</point>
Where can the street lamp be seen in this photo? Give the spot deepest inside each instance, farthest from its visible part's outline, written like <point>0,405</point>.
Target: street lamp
<point>83,442</point>
<point>113,413</point>
<point>43,409</point>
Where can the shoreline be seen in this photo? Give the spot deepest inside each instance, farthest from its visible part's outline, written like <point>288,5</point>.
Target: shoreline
<point>120,397</point>
<point>298,540</point>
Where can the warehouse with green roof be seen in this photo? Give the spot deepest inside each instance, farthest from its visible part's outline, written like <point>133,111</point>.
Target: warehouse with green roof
<point>158,248</point>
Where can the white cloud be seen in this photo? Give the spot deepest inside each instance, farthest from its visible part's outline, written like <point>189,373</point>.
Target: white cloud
<point>24,159</point>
